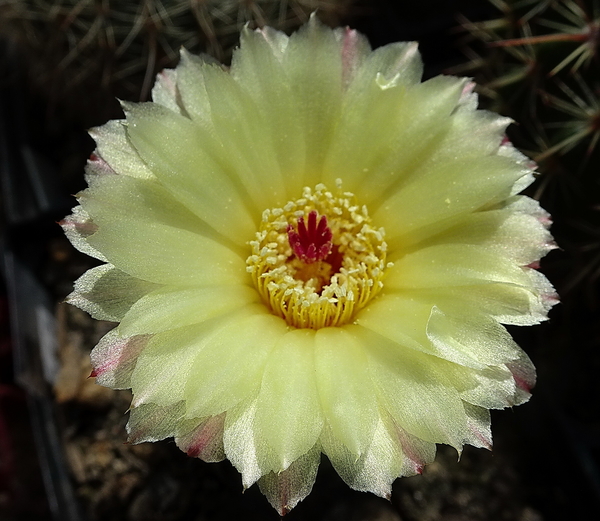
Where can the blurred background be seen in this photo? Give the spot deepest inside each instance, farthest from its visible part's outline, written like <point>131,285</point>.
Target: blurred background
<point>63,63</point>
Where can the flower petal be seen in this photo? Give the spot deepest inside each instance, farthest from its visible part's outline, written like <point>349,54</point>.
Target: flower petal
<point>359,473</point>
<point>115,357</point>
<point>394,64</point>
<point>171,307</point>
<point>399,141</point>
<point>492,387</point>
<point>365,115</point>
<point>167,255</point>
<point>107,293</point>
<point>417,452</point>
<point>78,227</point>
<point>507,303</point>
<point>519,237</point>
<point>288,415</point>
<point>241,444</point>
<point>165,365</point>
<point>229,364</point>
<point>524,375</point>
<point>442,193</point>
<point>191,87</point>
<point>313,56</point>
<point>347,394</point>
<point>477,335</point>
<point>187,171</point>
<point>165,92</point>
<point>383,462</point>
<point>453,265</point>
<point>114,148</point>
<point>204,440</point>
<point>257,67</point>
<point>232,121</point>
<point>152,422</point>
<point>405,320</point>
<point>416,392</point>
<point>479,433</point>
<point>122,198</point>
<point>284,490</point>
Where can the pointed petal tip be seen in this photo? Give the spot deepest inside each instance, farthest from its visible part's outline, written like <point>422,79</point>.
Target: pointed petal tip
<point>184,54</point>
<point>522,384</point>
<point>127,106</point>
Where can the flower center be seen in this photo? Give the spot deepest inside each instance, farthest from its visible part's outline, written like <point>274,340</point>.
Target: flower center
<point>318,260</point>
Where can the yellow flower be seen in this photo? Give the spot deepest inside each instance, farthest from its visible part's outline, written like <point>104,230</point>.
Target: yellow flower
<point>311,252</point>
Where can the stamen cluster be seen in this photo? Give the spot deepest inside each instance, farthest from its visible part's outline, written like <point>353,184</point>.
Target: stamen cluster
<point>320,274</point>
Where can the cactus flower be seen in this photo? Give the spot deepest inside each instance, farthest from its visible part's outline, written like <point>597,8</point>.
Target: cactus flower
<point>311,252</point>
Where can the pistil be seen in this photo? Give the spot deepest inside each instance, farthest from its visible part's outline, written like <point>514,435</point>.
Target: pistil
<point>313,242</point>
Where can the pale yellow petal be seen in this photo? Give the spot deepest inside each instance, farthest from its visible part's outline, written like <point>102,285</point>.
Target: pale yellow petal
<point>397,63</point>
<point>241,444</point>
<point>229,364</point>
<point>202,438</point>
<point>165,366</point>
<point>107,293</point>
<point>258,69</point>
<point>173,307</point>
<point>115,358</point>
<point>288,416</point>
<point>167,255</point>
<point>165,91</point>
<point>186,169</point>
<point>506,302</point>
<point>347,394</point>
<point>476,335</point>
<point>380,82</point>
<point>234,124</point>
<point>524,374</point>
<point>78,227</point>
<point>492,388</point>
<point>419,397</point>
<point>313,57</point>
<point>114,148</point>
<point>479,432</point>
<point>412,131</point>
<point>514,235</point>
<point>417,323</point>
<point>192,90</point>
<point>453,265</point>
<point>116,197</point>
<point>393,453</point>
<point>441,194</point>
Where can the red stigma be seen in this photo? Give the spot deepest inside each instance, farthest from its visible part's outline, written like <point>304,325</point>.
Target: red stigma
<point>313,242</point>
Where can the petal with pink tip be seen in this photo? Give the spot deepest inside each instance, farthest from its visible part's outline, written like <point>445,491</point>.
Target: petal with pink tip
<point>205,440</point>
<point>151,422</point>
<point>284,490</point>
<point>115,358</point>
